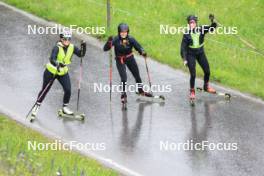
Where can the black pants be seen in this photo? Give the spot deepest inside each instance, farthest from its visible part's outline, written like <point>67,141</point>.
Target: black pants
<point>202,60</point>
<point>133,67</point>
<point>48,79</point>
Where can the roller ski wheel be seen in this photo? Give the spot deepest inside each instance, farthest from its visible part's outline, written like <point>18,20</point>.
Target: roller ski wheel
<point>33,114</point>
<point>75,115</point>
<point>192,101</point>
<point>227,96</point>
<point>124,103</point>
<point>162,97</point>
<point>124,100</point>
<point>32,118</point>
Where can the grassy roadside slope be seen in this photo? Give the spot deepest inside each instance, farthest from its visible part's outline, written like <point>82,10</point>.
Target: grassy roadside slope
<point>232,63</point>
<point>16,159</point>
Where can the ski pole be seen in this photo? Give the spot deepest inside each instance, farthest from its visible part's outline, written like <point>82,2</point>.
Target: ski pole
<point>147,71</point>
<point>42,93</point>
<point>79,81</point>
<point>110,72</point>
<point>108,9</point>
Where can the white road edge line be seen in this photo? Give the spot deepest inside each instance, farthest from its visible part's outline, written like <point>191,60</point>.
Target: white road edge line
<point>105,161</point>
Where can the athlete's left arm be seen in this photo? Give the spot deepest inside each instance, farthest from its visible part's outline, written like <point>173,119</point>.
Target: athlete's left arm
<point>136,45</point>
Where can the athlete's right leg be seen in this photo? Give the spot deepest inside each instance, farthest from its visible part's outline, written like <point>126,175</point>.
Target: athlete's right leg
<point>48,79</point>
<point>192,68</point>
<point>122,72</point>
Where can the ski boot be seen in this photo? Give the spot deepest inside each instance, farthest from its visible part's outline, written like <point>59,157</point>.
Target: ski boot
<point>66,112</point>
<point>192,96</point>
<point>149,97</point>
<point>209,89</point>
<point>146,94</point>
<point>142,93</point>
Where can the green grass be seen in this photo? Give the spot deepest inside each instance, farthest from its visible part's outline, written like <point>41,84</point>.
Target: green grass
<point>16,159</point>
<point>230,66</point>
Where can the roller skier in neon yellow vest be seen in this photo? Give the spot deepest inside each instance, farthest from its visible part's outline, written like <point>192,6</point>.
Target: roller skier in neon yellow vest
<point>192,50</point>
<point>57,68</point>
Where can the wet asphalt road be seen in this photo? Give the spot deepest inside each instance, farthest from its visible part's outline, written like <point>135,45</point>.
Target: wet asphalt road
<point>132,138</point>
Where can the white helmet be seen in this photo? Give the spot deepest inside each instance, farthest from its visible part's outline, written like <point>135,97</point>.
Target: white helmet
<point>66,34</point>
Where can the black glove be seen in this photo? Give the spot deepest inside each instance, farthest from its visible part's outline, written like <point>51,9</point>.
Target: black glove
<point>110,39</point>
<point>211,17</point>
<point>144,54</point>
<point>83,43</point>
<point>60,65</point>
<point>58,68</point>
<point>83,48</point>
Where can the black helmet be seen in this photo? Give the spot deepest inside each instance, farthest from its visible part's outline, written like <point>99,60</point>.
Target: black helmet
<point>192,17</point>
<point>123,27</point>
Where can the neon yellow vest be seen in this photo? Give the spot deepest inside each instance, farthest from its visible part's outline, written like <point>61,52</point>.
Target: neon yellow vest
<point>196,40</point>
<point>62,58</point>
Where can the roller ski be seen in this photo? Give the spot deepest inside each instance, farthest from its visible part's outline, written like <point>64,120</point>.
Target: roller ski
<point>65,112</point>
<point>210,90</point>
<point>149,97</point>
<point>124,101</point>
<point>33,113</point>
<point>192,97</point>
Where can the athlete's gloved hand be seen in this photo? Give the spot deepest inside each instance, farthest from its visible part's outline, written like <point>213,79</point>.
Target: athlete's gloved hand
<point>144,54</point>
<point>83,48</point>
<point>110,39</point>
<point>62,65</point>
<point>185,62</point>
<point>58,68</point>
<point>211,17</point>
<point>83,44</point>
